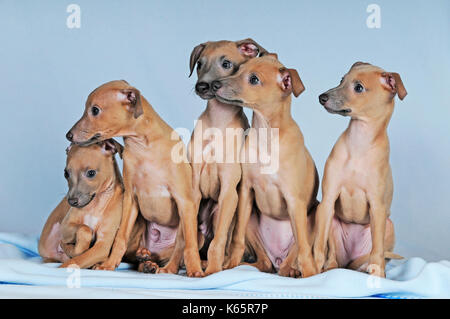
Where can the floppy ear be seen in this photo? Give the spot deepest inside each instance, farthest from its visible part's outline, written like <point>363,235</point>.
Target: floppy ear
<point>392,82</point>
<point>132,97</point>
<point>359,63</point>
<point>195,55</point>
<point>250,48</point>
<point>112,146</point>
<point>291,82</point>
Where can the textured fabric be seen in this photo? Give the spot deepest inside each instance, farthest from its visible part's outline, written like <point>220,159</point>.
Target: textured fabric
<point>20,265</point>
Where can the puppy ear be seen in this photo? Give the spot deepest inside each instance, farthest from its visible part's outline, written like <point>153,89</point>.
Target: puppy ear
<point>195,55</point>
<point>250,48</point>
<point>291,82</point>
<point>132,97</point>
<point>111,146</point>
<point>392,82</point>
<point>359,63</point>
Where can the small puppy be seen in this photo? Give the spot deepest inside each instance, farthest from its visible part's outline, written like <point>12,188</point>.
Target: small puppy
<point>215,181</point>
<point>357,184</point>
<point>283,196</point>
<point>81,229</point>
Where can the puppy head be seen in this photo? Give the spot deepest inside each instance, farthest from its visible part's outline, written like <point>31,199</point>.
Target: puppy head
<point>365,91</point>
<point>260,84</point>
<point>89,170</point>
<point>218,59</point>
<point>110,110</point>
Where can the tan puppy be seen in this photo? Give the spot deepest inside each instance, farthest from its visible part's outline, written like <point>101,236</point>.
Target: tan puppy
<point>215,180</point>
<point>155,185</point>
<point>357,184</point>
<point>81,229</point>
<point>284,196</point>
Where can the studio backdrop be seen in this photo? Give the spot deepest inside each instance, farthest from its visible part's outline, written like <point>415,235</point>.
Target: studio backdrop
<point>54,53</point>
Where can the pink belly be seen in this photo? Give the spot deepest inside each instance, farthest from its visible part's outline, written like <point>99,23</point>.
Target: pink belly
<point>353,240</point>
<point>158,238</point>
<point>276,236</point>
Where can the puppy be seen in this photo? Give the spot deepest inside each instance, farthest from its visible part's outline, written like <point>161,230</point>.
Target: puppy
<point>357,184</point>
<point>214,178</point>
<point>81,229</point>
<point>284,192</point>
<point>158,185</point>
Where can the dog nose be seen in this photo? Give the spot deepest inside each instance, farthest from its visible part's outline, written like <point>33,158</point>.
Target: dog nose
<point>69,136</point>
<point>73,201</point>
<point>202,87</point>
<point>323,98</point>
<point>216,85</point>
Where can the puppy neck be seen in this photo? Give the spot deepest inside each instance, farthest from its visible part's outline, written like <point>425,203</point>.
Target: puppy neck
<point>222,113</point>
<point>363,133</point>
<point>273,116</point>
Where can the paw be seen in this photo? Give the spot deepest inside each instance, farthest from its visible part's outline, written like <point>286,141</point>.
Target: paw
<point>212,269</point>
<point>319,260</point>
<point>143,254</point>
<point>332,264</point>
<point>308,268</point>
<point>232,263</point>
<point>168,269</point>
<point>195,273</point>
<point>376,270</point>
<point>288,271</point>
<point>107,265</point>
<point>148,267</point>
<point>69,264</point>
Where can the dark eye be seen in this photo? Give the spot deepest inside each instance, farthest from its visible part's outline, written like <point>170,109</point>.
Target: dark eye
<point>359,88</point>
<point>95,110</point>
<point>226,64</point>
<point>66,174</point>
<point>91,173</point>
<point>199,65</point>
<point>253,80</point>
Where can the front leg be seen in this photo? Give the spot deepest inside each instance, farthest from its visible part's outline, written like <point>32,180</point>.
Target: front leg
<point>378,216</point>
<point>297,210</point>
<point>228,200</point>
<point>245,205</point>
<point>129,216</point>
<point>188,221</point>
<point>325,213</point>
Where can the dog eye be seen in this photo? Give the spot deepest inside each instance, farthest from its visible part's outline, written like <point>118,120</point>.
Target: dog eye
<point>199,65</point>
<point>91,173</point>
<point>95,110</point>
<point>253,80</point>
<point>359,88</point>
<point>226,64</point>
<point>66,174</point>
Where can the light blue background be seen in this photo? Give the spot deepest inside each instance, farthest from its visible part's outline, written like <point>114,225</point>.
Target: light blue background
<point>47,70</point>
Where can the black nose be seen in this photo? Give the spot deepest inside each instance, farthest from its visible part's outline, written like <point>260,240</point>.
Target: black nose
<point>69,136</point>
<point>323,98</point>
<point>202,87</point>
<point>73,201</point>
<point>216,85</point>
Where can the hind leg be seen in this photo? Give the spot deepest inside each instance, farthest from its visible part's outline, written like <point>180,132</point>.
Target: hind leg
<point>256,248</point>
<point>362,246</point>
